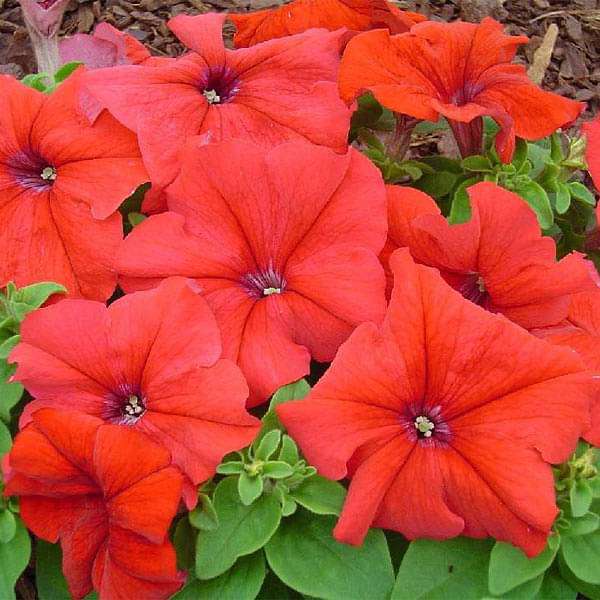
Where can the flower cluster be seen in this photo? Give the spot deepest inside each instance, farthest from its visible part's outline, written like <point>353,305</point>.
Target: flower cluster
<point>464,353</point>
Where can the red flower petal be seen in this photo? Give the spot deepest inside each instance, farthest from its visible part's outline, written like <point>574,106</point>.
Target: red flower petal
<point>489,389</point>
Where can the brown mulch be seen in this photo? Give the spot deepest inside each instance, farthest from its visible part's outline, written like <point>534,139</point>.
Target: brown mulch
<point>574,70</point>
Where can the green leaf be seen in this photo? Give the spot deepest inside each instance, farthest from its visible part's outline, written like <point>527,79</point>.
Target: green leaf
<point>581,193</point>
<point>204,516</point>
<point>7,346</point>
<point>249,488</point>
<point>554,587</point>
<point>8,526</point>
<point>535,195</point>
<point>320,495</point>
<point>289,450</point>
<point>589,590</point>
<point>10,394</point>
<point>268,444</point>
<point>520,155</point>
<point>460,211</point>
<point>242,582</point>
<point>50,581</point>
<point>35,295</point>
<point>135,218</point>
<point>510,568</point>
<point>37,81</point>
<point>232,467</point>
<point>562,198</point>
<point>304,546</point>
<point>525,591</point>
<point>456,568</point>
<point>5,439</point>
<point>276,469</point>
<point>293,391</point>
<point>582,556</point>
<point>583,525</point>
<point>65,71</point>
<point>438,184</point>
<point>581,498</point>
<point>242,529</point>
<point>14,557</point>
<point>477,164</point>
<point>184,540</point>
<point>274,589</point>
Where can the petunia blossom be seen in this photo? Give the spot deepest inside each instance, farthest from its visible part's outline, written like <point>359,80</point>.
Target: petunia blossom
<point>108,494</point>
<point>150,361</point>
<point>591,131</point>
<point>299,15</point>
<point>461,71</point>
<point>106,47</point>
<point>281,90</point>
<point>499,259</point>
<point>61,183</point>
<point>581,332</point>
<point>445,419</point>
<point>284,245</point>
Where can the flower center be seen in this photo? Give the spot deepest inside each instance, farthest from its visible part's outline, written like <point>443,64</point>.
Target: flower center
<point>219,85</point>
<point>264,283</point>
<point>472,287</point>
<point>31,171</point>
<point>426,425</point>
<point>124,406</point>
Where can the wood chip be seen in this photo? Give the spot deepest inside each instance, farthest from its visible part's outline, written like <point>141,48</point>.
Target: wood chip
<point>543,55</point>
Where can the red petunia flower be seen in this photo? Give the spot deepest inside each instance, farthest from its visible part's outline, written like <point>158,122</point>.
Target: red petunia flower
<point>300,15</point>
<point>444,418</point>
<point>461,71</point>
<point>61,181</point>
<point>151,361</point>
<point>281,90</point>
<point>108,494</point>
<point>591,130</point>
<point>581,331</point>
<point>284,245</point>
<point>498,259</point>
<point>106,47</point>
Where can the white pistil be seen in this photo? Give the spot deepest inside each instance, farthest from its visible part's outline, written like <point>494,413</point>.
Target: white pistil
<point>211,96</point>
<point>425,426</point>
<point>133,408</point>
<point>48,174</point>
<point>271,290</point>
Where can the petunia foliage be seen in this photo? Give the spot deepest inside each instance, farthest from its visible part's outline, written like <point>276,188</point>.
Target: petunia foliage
<point>309,312</point>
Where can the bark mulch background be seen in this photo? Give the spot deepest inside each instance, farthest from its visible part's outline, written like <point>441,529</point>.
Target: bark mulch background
<point>574,68</point>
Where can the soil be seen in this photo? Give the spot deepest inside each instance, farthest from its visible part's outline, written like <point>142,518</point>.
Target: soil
<point>574,69</point>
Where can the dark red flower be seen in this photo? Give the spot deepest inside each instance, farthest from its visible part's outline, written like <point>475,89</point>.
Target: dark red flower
<point>284,245</point>
<point>298,16</point>
<point>499,259</point>
<point>444,418</point>
<point>461,71</point>
<point>61,181</point>
<point>581,331</point>
<point>108,494</point>
<point>281,90</point>
<point>150,361</point>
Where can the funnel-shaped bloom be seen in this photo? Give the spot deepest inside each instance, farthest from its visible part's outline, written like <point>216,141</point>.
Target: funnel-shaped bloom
<point>444,418</point>
<point>61,183</point>
<point>284,245</point>
<point>151,361</point>
<point>106,47</point>
<point>108,494</point>
<point>499,259</point>
<point>299,15</point>
<point>461,71</point>
<point>281,90</point>
<point>581,331</point>
<point>591,131</point>
<point>44,16</point>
